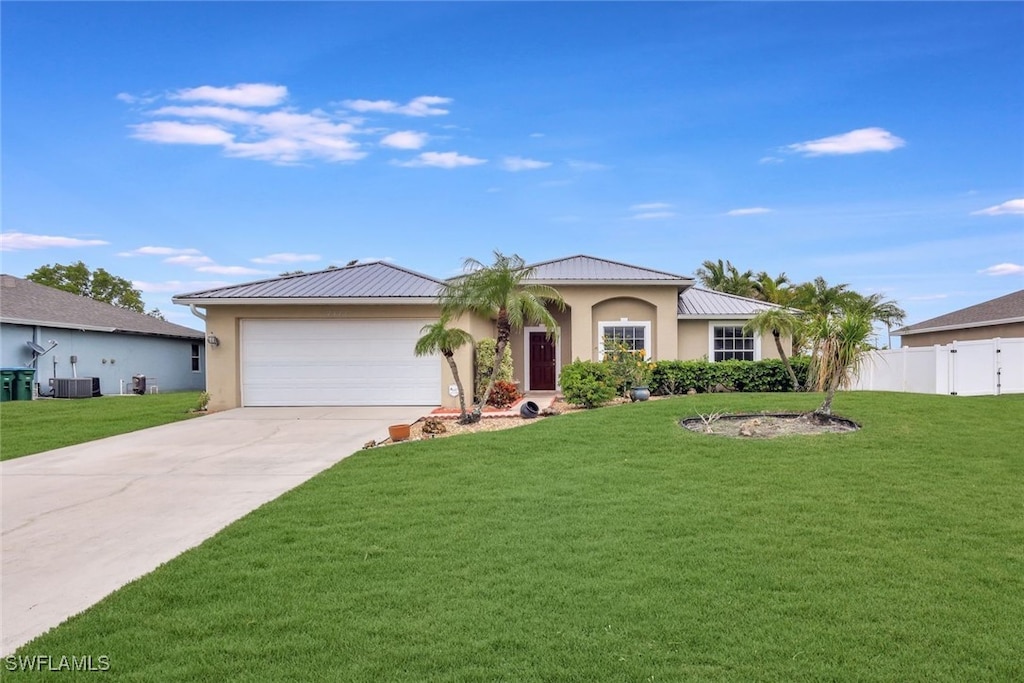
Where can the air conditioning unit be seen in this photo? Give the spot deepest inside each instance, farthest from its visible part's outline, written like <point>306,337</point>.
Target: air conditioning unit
<point>72,387</point>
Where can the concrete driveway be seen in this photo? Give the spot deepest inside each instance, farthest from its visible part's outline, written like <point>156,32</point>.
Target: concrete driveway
<point>82,521</point>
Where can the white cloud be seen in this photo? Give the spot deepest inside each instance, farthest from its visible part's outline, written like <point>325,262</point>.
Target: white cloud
<point>178,286</point>
<point>583,166</point>
<point>158,251</point>
<point>189,260</point>
<point>17,241</point>
<point>286,258</point>
<point>1003,269</point>
<point>770,160</point>
<point>752,211</point>
<point>521,164</point>
<point>855,142</point>
<point>226,118</point>
<point>443,160</point>
<point>241,95</point>
<point>536,135</point>
<point>650,206</point>
<point>653,215</point>
<point>232,270</point>
<point>404,139</point>
<point>175,132</point>
<point>425,105</point>
<point>229,114</point>
<point>1011,207</point>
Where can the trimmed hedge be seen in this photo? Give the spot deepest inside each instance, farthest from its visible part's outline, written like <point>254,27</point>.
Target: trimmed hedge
<point>679,376</point>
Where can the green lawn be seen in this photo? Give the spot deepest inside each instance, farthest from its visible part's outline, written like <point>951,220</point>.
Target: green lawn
<point>28,427</point>
<point>612,545</point>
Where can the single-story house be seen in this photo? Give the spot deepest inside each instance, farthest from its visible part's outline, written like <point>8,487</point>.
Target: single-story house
<point>1001,317</point>
<point>345,336</point>
<point>65,336</point>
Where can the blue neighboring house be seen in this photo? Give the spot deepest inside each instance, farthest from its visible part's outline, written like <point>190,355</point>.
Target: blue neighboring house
<point>62,335</point>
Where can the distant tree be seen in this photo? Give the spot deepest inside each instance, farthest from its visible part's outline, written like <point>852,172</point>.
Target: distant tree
<point>291,272</point>
<point>99,284</point>
<point>155,313</point>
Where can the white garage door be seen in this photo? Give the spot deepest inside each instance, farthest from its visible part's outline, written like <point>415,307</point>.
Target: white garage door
<point>336,363</point>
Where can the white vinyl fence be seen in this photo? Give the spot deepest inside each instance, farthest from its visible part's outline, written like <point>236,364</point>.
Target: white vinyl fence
<point>971,368</point>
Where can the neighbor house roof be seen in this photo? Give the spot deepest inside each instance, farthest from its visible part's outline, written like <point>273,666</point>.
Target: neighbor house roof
<point>703,303</point>
<point>23,302</point>
<point>999,311</point>
<point>582,269</point>
<point>376,282</point>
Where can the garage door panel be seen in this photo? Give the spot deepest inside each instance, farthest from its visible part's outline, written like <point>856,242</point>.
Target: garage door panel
<point>336,362</point>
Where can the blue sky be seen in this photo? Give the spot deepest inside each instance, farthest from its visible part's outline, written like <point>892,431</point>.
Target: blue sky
<point>188,145</point>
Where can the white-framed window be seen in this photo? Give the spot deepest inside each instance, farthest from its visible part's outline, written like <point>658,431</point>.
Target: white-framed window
<point>196,363</point>
<point>728,341</point>
<point>635,335</point>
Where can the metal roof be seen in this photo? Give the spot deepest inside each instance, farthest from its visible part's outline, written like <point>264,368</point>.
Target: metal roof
<point>377,280</point>
<point>703,303</point>
<point>590,269</point>
<point>998,311</point>
<point>23,302</point>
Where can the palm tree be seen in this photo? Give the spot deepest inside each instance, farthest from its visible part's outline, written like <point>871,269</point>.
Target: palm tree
<point>775,290</point>
<point>820,301</point>
<point>725,277</point>
<point>779,321</point>
<point>498,291</point>
<point>877,307</point>
<point>439,338</point>
<point>842,342</point>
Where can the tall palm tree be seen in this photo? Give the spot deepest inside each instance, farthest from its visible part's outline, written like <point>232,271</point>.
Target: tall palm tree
<point>498,291</point>
<point>877,307</point>
<point>842,342</point>
<point>778,321</point>
<point>775,290</point>
<point>725,277</point>
<point>439,338</point>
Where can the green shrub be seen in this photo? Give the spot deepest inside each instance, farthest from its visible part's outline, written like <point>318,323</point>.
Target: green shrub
<point>678,377</point>
<point>485,350</point>
<point>504,394</point>
<point>588,384</point>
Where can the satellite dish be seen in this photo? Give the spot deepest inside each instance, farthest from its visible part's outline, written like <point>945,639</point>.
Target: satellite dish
<point>36,348</point>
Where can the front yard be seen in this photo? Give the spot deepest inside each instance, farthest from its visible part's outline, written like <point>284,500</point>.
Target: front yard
<point>28,427</point>
<point>612,545</point>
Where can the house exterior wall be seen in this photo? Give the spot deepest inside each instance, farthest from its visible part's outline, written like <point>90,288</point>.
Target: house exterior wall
<point>112,357</point>
<point>694,341</point>
<point>650,303</point>
<point>1008,331</point>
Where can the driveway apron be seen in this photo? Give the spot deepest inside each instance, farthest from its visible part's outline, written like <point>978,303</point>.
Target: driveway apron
<point>82,521</point>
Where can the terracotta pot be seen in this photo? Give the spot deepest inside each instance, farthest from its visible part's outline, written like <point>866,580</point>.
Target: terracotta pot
<point>398,432</point>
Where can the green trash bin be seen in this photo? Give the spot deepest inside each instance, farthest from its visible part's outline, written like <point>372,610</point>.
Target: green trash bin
<point>23,384</point>
<point>7,384</point>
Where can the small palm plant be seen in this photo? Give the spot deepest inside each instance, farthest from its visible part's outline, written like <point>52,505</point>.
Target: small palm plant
<point>439,338</point>
<point>778,321</point>
<point>841,342</point>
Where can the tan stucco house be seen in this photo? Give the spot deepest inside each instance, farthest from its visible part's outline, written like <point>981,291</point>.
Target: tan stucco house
<point>1001,317</point>
<point>345,336</point>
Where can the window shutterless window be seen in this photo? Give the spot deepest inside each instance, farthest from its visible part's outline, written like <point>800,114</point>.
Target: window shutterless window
<point>196,367</point>
<point>730,342</point>
<point>634,336</point>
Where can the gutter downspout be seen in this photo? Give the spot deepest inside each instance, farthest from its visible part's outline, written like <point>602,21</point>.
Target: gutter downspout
<point>196,313</point>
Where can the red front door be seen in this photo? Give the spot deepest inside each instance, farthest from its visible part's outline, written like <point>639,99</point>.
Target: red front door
<point>542,362</point>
